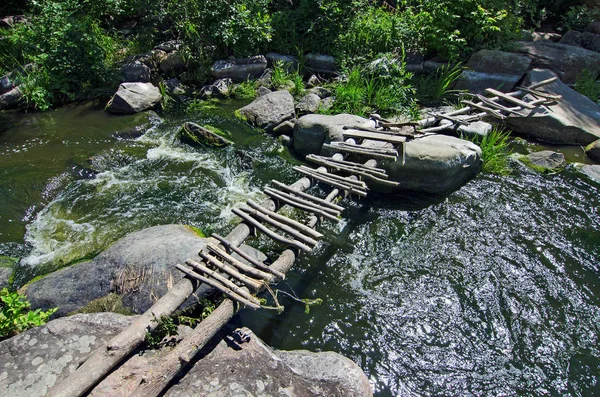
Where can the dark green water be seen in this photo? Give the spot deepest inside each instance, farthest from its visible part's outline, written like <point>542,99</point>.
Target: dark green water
<point>493,290</point>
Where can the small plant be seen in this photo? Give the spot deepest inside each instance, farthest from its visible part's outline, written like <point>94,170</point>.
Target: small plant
<point>578,17</point>
<point>15,316</point>
<point>282,78</point>
<point>431,90</point>
<point>166,100</point>
<point>245,90</point>
<point>494,151</point>
<point>166,327</point>
<point>587,85</point>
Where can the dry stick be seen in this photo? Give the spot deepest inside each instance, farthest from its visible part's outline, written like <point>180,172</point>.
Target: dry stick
<point>349,163</point>
<point>247,281</point>
<point>106,357</point>
<point>354,170</point>
<point>249,270</point>
<point>281,226</point>
<point>307,196</point>
<point>220,279</point>
<point>375,136</point>
<point>541,94</point>
<point>489,111</point>
<point>449,118</point>
<point>270,233</point>
<point>493,104</point>
<point>291,201</point>
<point>307,205</point>
<point>284,219</point>
<point>247,257</point>
<point>349,188</point>
<point>509,98</point>
<point>344,165</point>
<point>356,149</point>
<point>220,287</point>
<point>342,179</point>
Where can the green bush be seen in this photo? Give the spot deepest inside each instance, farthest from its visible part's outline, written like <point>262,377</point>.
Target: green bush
<point>587,85</point>
<point>15,316</point>
<point>578,17</point>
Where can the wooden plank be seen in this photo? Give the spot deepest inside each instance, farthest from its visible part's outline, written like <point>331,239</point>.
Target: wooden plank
<point>375,136</point>
<point>260,265</point>
<point>290,200</point>
<point>509,98</point>
<point>295,233</point>
<point>492,112</point>
<point>248,270</point>
<point>248,281</point>
<point>284,219</point>
<point>331,211</point>
<point>218,286</point>
<point>308,197</point>
<point>382,150</point>
<point>355,167</point>
<point>228,283</point>
<point>275,236</point>
<point>356,149</point>
<point>342,179</point>
<point>355,171</point>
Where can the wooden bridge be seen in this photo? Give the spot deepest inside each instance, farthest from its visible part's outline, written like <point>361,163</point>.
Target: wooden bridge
<point>242,282</point>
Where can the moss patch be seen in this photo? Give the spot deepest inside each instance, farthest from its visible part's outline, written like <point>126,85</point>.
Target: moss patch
<point>109,303</point>
<point>7,261</point>
<point>543,170</point>
<point>238,115</point>
<point>197,231</point>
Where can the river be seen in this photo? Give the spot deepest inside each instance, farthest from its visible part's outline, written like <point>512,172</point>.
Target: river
<point>493,290</point>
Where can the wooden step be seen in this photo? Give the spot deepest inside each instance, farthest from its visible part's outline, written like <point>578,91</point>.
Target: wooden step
<point>307,196</point>
<point>383,154</point>
<point>300,204</point>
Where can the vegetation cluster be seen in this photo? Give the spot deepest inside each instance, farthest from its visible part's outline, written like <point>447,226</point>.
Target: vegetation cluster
<point>16,316</point>
<point>74,48</point>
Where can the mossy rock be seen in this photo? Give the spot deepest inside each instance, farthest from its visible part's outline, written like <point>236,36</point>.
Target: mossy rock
<point>545,161</point>
<point>196,135</point>
<point>109,303</point>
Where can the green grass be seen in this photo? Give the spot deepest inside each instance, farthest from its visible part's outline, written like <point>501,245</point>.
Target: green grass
<point>282,78</point>
<point>245,90</point>
<point>432,90</point>
<point>494,151</point>
<point>587,85</point>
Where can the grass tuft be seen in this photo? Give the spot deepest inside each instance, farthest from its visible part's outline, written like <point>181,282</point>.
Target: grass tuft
<point>494,151</point>
<point>587,85</point>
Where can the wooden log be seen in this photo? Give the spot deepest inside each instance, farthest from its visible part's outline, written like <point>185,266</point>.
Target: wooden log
<point>281,226</point>
<point>492,112</point>
<point>219,279</point>
<point>248,258</point>
<point>270,233</point>
<point>357,149</point>
<point>493,104</point>
<point>543,83</point>
<point>509,98</point>
<point>342,179</point>
<point>348,166</point>
<point>375,136</point>
<point>449,118</point>
<point>248,270</point>
<point>335,183</point>
<point>284,219</point>
<point>331,211</point>
<point>356,171</point>
<point>307,196</point>
<point>304,206</point>
<point>540,94</point>
<point>400,125</point>
<point>232,272</point>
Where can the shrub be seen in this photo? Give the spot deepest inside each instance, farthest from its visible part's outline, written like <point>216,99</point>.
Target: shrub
<point>578,17</point>
<point>587,85</point>
<point>15,316</point>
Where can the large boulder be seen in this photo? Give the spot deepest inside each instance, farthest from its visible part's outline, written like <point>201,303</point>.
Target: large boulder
<point>12,99</point>
<point>567,61</point>
<point>492,69</point>
<point>270,110</point>
<point>173,62</point>
<point>240,69</point>
<point>573,120</point>
<point>133,98</point>
<point>140,267</point>
<point>308,104</point>
<point>593,150</point>
<point>592,171</point>
<point>135,72</point>
<point>313,130</point>
<point>320,64</point>
<point>436,164</point>
<point>45,356</point>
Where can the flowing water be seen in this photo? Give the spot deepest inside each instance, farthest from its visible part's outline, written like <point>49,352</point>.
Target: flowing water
<point>493,290</point>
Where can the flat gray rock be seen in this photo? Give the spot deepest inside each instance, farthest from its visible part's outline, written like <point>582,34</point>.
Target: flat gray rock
<point>313,130</point>
<point>545,161</point>
<point>308,104</point>
<point>573,120</point>
<point>269,110</point>
<point>140,266</point>
<point>592,171</point>
<point>240,69</point>
<point>567,61</point>
<point>34,361</point>
<point>133,98</point>
<point>492,69</point>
